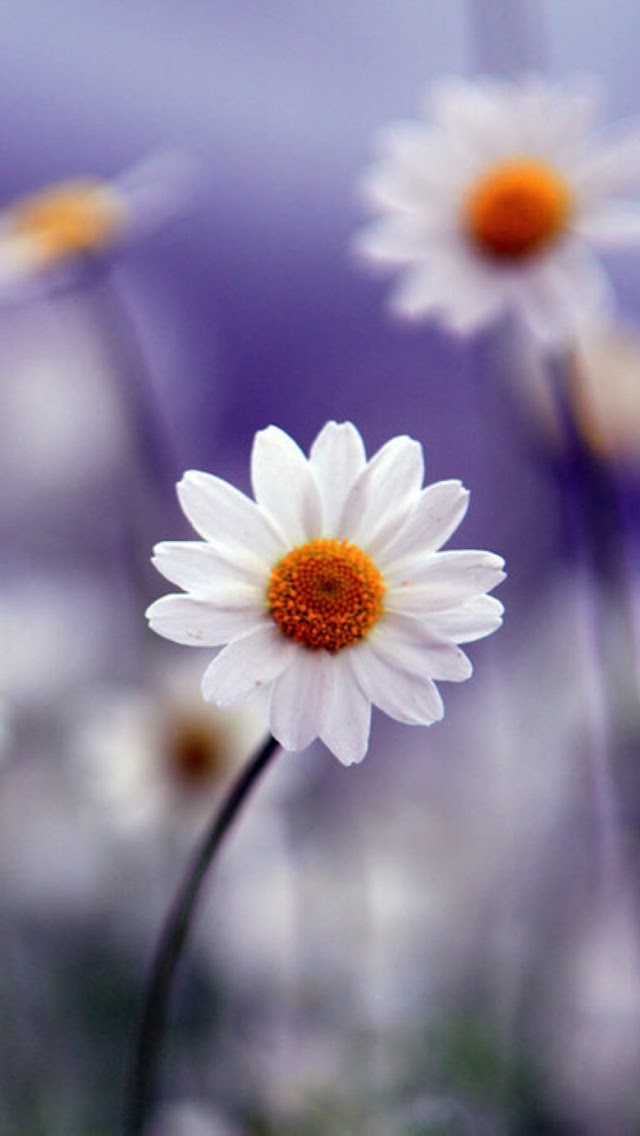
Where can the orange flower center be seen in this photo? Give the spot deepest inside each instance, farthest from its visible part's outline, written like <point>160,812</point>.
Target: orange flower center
<point>76,217</point>
<point>517,209</point>
<point>326,594</point>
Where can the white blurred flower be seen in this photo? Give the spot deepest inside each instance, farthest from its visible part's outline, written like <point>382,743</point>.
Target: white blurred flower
<point>57,862</point>
<point>604,390</point>
<point>330,586</point>
<point>159,756</point>
<point>62,425</point>
<point>497,202</point>
<point>61,628</point>
<point>84,217</point>
<point>190,1119</point>
<point>594,1020</point>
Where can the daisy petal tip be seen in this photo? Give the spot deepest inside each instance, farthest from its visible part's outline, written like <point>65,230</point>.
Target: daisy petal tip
<point>189,477</point>
<point>153,609</point>
<point>464,668</point>
<point>347,757</point>
<point>271,435</point>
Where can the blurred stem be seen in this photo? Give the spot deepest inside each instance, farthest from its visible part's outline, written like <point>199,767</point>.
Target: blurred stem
<point>118,327</point>
<point>148,1045</point>
<point>596,546</point>
<point>506,37</point>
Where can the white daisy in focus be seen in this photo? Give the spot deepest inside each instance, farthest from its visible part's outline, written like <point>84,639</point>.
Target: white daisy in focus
<point>330,587</point>
<point>159,757</point>
<point>65,222</point>
<point>497,203</point>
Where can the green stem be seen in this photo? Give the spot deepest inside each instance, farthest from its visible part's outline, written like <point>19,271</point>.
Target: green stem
<point>148,1045</point>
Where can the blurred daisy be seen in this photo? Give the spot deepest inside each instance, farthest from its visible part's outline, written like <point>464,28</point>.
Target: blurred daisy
<point>190,1119</point>
<point>160,756</point>
<point>39,612</point>
<point>68,221</point>
<point>330,586</point>
<point>604,392</point>
<point>497,203</point>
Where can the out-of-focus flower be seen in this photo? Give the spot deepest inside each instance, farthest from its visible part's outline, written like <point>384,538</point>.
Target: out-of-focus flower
<point>604,391</point>
<point>496,204</point>
<point>39,613</point>
<point>190,1119</point>
<point>330,586</point>
<point>61,426</point>
<point>593,1024</point>
<point>160,756</point>
<point>84,217</point>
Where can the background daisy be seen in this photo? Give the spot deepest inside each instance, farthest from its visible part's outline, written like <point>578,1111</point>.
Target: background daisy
<point>497,202</point>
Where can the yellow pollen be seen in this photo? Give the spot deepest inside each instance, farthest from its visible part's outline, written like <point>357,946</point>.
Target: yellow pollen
<point>326,594</point>
<point>517,209</point>
<point>68,219</point>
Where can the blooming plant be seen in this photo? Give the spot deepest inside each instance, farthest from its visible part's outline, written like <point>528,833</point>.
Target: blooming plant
<point>330,586</point>
<point>85,217</point>
<point>498,203</point>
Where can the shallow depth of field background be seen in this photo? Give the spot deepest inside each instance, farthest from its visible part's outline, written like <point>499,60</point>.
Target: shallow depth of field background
<point>418,945</point>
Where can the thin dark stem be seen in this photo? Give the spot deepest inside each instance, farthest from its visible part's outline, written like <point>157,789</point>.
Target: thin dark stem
<point>148,1045</point>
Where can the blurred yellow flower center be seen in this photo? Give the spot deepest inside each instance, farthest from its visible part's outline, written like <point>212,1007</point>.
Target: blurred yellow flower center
<point>517,209</point>
<point>326,594</point>
<point>194,754</point>
<point>69,219</point>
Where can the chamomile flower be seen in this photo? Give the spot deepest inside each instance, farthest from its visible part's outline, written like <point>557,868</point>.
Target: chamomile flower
<point>497,203</point>
<point>330,587</point>
<point>65,222</point>
<point>156,758</point>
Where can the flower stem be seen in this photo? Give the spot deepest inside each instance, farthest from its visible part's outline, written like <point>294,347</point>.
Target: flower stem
<point>148,1044</point>
<point>506,38</point>
<point>591,506</point>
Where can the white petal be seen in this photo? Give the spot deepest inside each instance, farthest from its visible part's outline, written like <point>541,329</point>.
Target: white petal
<point>391,241</point>
<point>472,308</point>
<point>612,167</point>
<point>405,143</point>
<point>408,698</point>
<point>435,516</point>
<point>481,113</point>
<point>229,519</point>
<point>202,623</point>
<point>454,284</point>
<point>472,290</point>
<point>197,567</point>
<point>346,729</point>
<point>442,580</point>
<point>301,699</point>
<point>560,295</point>
<point>381,496</point>
<point>468,622</point>
<point>338,456</point>
<point>614,225</point>
<point>284,485</point>
<point>417,293</point>
<point>247,664</point>
<point>409,646</point>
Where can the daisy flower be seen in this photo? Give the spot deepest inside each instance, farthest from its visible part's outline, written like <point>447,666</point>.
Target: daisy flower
<point>604,391</point>
<point>330,587</point>
<point>84,217</point>
<point>497,203</point>
<point>156,757</point>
